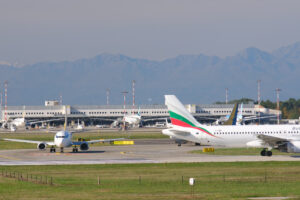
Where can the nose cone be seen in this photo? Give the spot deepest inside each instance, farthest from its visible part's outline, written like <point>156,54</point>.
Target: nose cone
<point>61,139</point>
<point>59,143</point>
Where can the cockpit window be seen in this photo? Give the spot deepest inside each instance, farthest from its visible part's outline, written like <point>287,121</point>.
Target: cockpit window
<point>65,135</point>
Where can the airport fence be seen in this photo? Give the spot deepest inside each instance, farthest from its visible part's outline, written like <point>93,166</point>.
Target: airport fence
<point>262,177</point>
<point>38,179</point>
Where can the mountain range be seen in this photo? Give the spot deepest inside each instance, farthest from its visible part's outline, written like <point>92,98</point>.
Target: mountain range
<point>193,78</point>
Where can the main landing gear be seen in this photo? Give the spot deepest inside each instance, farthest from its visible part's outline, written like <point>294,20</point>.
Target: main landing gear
<point>61,149</point>
<point>265,152</point>
<point>75,149</point>
<point>52,149</point>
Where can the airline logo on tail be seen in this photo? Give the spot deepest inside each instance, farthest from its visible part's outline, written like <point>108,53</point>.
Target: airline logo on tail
<point>233,116</point>
<point>180,116</point>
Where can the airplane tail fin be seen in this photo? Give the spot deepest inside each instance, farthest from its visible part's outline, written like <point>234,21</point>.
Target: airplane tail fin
<point>179,115</point>
<point>139,111</point>
<point>66,120</point>
<point>233,116</point>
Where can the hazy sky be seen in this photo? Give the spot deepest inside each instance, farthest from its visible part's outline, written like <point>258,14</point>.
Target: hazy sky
<point>55,30</point>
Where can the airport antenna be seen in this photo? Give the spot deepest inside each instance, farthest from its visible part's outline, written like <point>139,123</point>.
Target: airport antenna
<point>107,96</point>
<point>5,94</point>
<point>258,99</point>
<point>133,95</point>
<point>124,93</point>
<point>226,95</point>
<point>277,94</point>
<point>258,92</point>
<point>1,100</point>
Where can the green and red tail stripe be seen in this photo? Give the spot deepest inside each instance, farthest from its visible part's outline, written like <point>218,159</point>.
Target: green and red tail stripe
<point>179,120</point>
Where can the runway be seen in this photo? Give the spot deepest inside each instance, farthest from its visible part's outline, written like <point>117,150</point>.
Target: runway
<point>145,151</point>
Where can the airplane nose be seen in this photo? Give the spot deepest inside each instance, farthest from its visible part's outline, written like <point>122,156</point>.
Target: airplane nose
<point>59,143</point>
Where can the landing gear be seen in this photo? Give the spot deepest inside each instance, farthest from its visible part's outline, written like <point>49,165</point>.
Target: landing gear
<point>52,149</point>
<point>179,144</point>
<point>75,150</point>
<point>264,152</point>
<point>197,144</point>
<point>61,149</point>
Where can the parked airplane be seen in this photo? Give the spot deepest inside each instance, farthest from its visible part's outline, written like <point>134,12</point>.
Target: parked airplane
<point>63,139</point>
<point>79,126</point>
<point>233,117</point>
<point>133,120</point>
<point>237,118</point>
<point>285,138</point>
<point>22,122</point>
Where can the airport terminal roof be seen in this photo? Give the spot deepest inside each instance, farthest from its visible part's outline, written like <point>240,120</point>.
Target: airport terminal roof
<point>87,107</point>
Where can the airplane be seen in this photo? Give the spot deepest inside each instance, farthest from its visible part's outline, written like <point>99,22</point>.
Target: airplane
<point>235,117</point>
<point>285,138</point>
<point>63,139</point>
<point>230,120</point>
<point>79,126</point>
<point>132,120</point>
<point>22,122</point>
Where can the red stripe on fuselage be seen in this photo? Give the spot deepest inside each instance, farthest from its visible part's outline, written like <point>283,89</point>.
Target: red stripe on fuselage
<point>184,124</point>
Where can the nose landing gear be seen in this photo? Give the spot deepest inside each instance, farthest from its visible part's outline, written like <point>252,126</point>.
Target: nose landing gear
<point>52,149</point>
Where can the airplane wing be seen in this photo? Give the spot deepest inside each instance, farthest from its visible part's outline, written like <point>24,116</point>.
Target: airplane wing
<point>105,119</point>
<point>28,141</point>
<point>154,119</point>
<point>272,141</point>
<point>97,141</point>
<point>256,117</point>
<point>50,120</point>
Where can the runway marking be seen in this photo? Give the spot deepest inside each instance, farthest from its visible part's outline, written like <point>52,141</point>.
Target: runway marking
<point>127,152</point>
<point>9,158</point>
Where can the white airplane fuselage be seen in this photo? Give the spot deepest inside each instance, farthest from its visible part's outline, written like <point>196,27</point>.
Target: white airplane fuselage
<point>185,127</point>
<point>235,136</point>
<point>19,122</point>
<point>132,119</point>
<point>63,139</point>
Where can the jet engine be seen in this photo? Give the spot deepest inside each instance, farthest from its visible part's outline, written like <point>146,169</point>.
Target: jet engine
<point>178,141</point>
<point>42,146</point>
<point>290,147</point>
<point>84,146</point>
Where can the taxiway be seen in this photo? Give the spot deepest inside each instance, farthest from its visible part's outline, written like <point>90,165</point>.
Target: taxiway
<point>145,151</point>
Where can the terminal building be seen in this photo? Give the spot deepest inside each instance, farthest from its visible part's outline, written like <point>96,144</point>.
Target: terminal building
<point>102,114</point>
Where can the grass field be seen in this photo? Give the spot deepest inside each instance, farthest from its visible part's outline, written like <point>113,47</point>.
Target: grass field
<point>240,151</point>
<point>238,180</point>
<point>44,136</point>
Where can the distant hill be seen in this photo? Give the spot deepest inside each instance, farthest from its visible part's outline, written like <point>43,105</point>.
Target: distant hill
<point>193,78</point>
